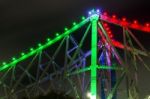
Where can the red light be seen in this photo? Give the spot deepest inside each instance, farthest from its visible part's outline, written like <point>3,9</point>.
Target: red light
<point>109,32</point>
<point>114,16</point>
<point>147,27</point>
<point>123,19</point>
<point>105,24</point>
<point>113,19</point>
<point>105,14</point>
<point>135,22</point>
<point>111,36</point>
<point>124,22</point>
<point>107,28</point>
<point>147,24</point>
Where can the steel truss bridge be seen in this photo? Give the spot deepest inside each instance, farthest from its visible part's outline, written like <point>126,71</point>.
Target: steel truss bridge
<point>85,61</point>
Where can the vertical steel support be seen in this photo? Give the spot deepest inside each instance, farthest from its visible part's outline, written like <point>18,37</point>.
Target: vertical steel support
<point>113,82</point>
<point>125,58</point>
<point>102,78</point>
<point>94,20</point>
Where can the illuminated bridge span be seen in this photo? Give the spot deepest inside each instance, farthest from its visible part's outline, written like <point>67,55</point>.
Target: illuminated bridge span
<point>92,62</point>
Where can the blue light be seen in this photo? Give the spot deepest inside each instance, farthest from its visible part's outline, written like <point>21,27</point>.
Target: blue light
<point>94,12</point>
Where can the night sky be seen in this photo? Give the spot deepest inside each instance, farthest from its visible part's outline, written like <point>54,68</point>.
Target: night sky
<point>24,23</point>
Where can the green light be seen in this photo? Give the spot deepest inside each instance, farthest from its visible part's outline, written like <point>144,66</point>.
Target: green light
<point>22,54</point>
<point>13,58</point>
<point>105,67</point>
<point>83,18</point>
<point>4,63</point>
<point>66,29</point>
<point>31,49</point>
<point>93,89</point>
<point>44,46</point>
<point>48,39</point>
<point>39,44</point>
<point>57,34</point>
<point>74,23</point>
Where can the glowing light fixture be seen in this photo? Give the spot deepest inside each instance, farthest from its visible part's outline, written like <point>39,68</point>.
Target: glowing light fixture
<point>147,24</point>
<point>105,14</point>
<point>105,24</point>
<point>90,12</point>
<point>90,96</point>
<point>48,39</point>
<point>31,49</point>
<point>94,12</point>
<point>22,54</point>
<point>109,32</point>
<point>13,58</point>
<point>114,16</point>
<point>66,29</point>
<point>98,11</point>
<point>57,34</point>
<point>83,18</point>
<point>123,19</point>
<point>4,63</point>
<point>39,44</point>
<point>107,28</point>
<point>74,23</point>
<point>148,97</point>
<point>135,22</point>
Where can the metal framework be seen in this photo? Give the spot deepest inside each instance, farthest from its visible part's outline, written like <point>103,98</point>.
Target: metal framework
<point>69,63</point>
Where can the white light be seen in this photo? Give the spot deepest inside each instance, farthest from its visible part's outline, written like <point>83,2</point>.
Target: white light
<point>93,97</point>
<point>90,13</point>
<point>148,97</point>
<point>90,96</point>
<point>98,10</point>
